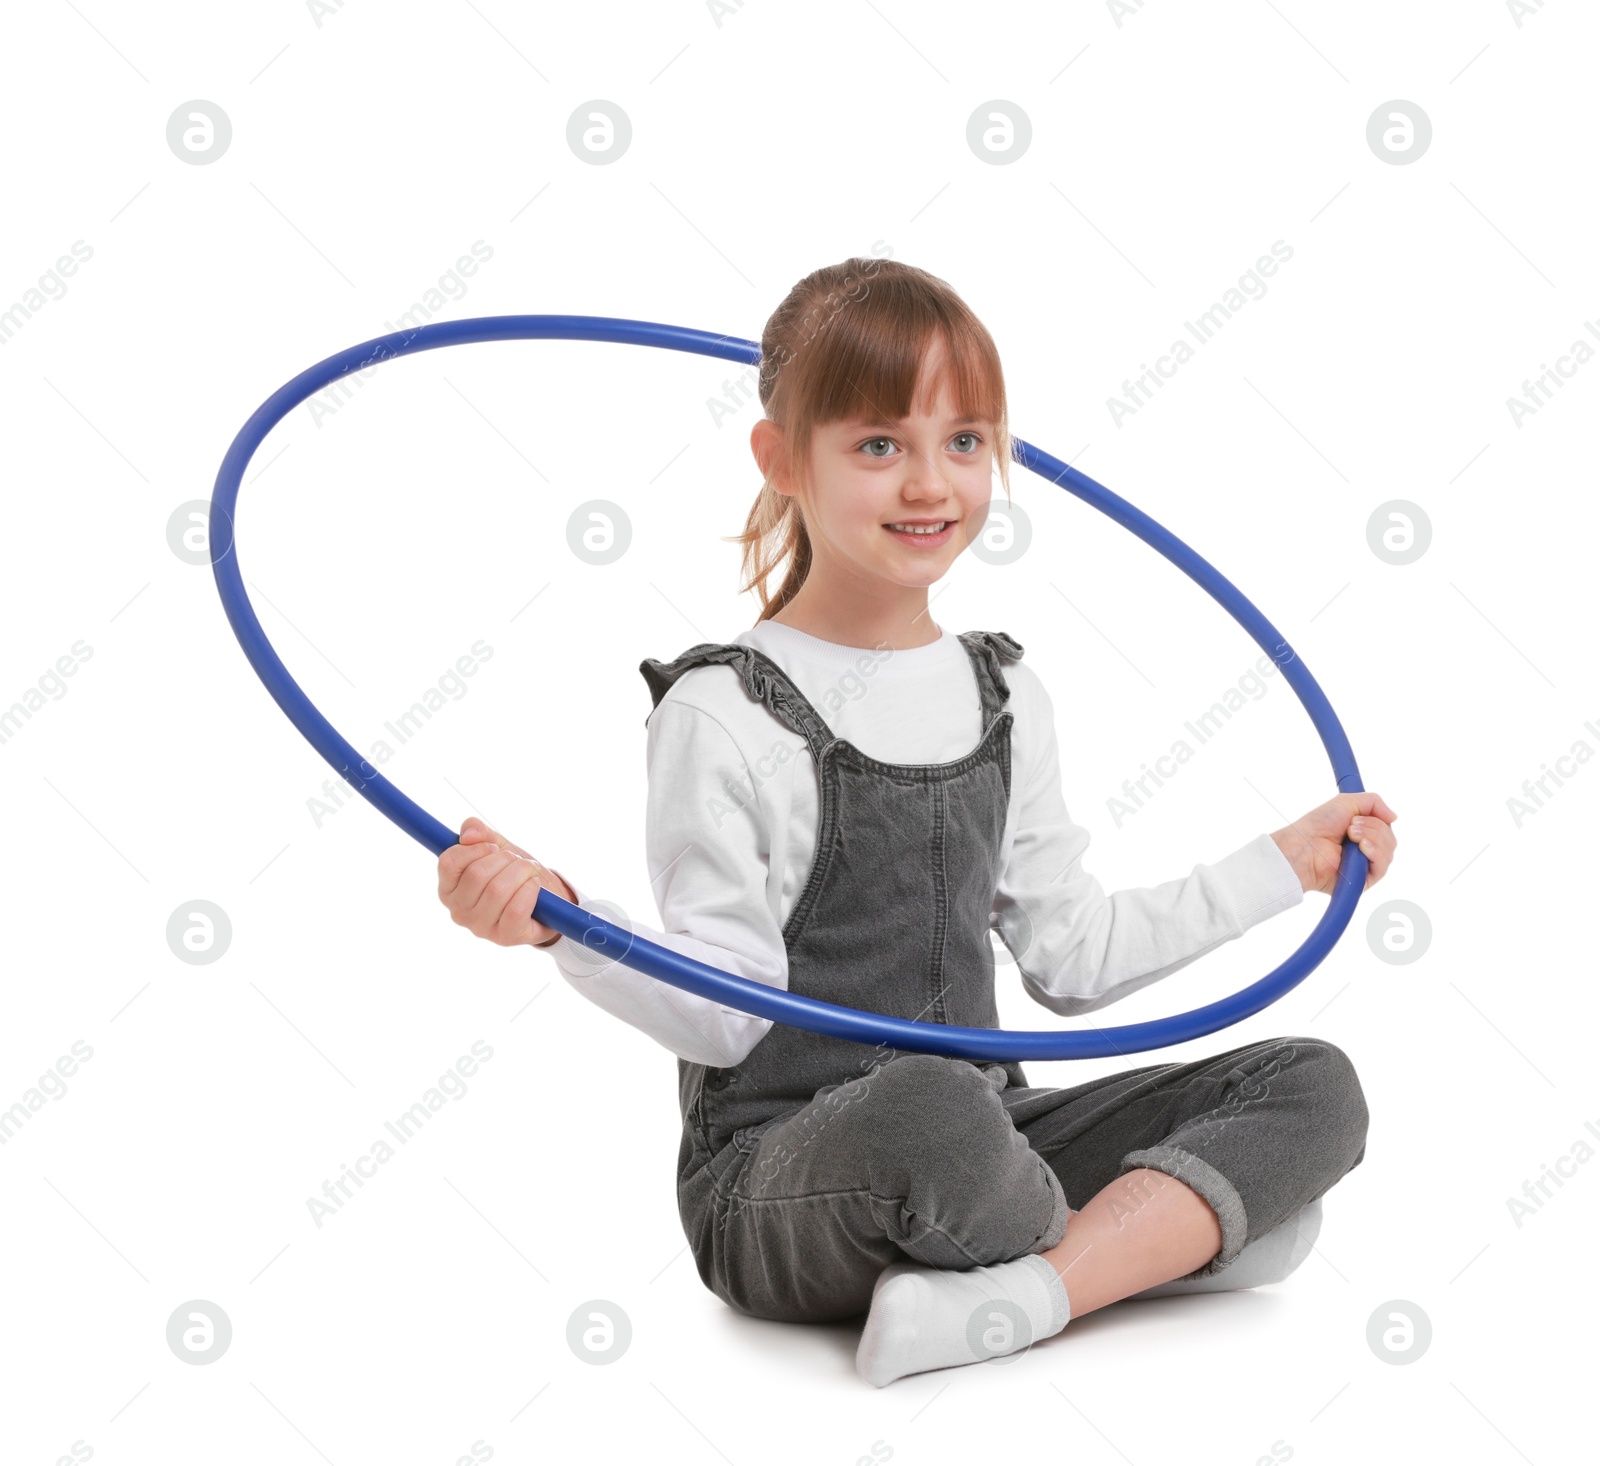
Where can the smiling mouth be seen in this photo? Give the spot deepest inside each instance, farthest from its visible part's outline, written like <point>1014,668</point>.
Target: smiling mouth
<point>920,528</point>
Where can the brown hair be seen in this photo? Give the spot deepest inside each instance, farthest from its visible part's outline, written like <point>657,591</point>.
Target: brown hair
<point>850,338</point>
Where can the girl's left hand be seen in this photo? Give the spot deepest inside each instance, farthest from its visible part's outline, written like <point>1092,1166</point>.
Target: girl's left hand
<point>1314,843</point>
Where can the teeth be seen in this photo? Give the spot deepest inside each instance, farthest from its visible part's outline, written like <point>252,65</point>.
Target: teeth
<point>921,528</point>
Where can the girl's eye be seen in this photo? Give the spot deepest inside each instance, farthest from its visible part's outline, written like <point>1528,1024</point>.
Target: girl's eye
<point>976,442</point>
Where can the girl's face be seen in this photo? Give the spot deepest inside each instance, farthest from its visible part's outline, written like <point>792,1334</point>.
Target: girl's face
<point>898,501</point>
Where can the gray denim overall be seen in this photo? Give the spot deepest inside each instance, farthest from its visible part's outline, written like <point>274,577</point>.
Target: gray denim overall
<point>807,1167</point>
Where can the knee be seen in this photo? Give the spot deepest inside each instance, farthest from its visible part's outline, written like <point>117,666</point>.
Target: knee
<point>925,1106</point>
<point>918,1092</point>
<point>1334,1089</point>
<point>967,1186</point>
<point>1338,1083</point>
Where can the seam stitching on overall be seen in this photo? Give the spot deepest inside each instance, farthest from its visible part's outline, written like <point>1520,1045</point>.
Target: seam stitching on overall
<point>941,903</point>
<point>821,859</point>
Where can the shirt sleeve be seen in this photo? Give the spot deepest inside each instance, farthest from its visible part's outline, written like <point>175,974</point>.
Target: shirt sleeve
<point>707,846</point>
<point>1079,949</point>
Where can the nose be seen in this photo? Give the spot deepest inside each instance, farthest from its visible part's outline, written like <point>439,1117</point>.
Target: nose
<point>925,480</point>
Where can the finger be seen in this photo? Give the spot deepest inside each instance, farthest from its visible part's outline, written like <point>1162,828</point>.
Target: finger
<point>515,925</point>
<point>1377,868</point>
<point>474,831</point>
<point>458,857</point>
<point>1372,803</point>
<point>1377,845</point>
<point>508,901</point>
<point>453,863</point>
<point>1329,820</point>
<point>516,870</point>
<point>484,916</point>
<point>1371,833</point>
<point>476,879</point>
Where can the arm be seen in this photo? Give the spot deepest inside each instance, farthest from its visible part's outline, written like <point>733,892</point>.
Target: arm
<point>708,857</point>
<point>1079,949</point>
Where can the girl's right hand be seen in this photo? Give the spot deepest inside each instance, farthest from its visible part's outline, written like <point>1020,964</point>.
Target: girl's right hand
<point>490,886</point>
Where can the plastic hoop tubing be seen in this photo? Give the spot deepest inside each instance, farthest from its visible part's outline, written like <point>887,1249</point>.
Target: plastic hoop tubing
<point>608,940</point>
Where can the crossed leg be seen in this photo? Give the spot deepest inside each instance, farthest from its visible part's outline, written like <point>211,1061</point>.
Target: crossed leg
<point>1184,1171</point>
<point>1204,1176</point>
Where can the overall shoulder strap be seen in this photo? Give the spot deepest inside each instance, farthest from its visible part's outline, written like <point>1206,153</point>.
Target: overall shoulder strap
<point>659,676</point>
<point>988,650</point>
<point>764,680</point>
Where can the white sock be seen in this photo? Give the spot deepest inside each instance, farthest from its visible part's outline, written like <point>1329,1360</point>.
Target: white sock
<point>930,1318</point>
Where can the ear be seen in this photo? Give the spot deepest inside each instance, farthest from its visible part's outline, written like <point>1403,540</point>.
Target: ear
<point>766,443</point>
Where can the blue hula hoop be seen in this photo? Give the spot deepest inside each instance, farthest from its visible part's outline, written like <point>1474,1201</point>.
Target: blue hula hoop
<point>987,1045</point>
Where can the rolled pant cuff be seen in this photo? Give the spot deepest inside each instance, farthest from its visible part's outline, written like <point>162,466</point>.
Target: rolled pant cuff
<point>1057,1228</point>
<point>1210,1185</point>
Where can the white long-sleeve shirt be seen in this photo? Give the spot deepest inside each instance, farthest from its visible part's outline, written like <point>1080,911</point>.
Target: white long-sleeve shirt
<point>731,825</point>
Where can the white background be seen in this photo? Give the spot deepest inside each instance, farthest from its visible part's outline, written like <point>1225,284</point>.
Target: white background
<point>369,151</point>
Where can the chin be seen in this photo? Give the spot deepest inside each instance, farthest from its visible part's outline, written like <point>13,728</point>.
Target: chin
<point>930,576</point>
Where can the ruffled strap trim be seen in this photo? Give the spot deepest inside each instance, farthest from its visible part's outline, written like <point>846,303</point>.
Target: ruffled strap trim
<point>991,649</point>
<point>763,679</point>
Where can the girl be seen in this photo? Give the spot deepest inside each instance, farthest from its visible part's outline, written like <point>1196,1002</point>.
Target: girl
<point>844,801</point>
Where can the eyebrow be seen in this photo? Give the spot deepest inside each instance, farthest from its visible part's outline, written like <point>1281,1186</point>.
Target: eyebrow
<point>856,424</point>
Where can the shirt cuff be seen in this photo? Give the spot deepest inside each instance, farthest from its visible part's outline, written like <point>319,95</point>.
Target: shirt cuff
<point>1258,882</point>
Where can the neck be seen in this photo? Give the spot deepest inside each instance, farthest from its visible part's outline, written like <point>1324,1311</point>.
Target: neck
<point>899,624</point>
